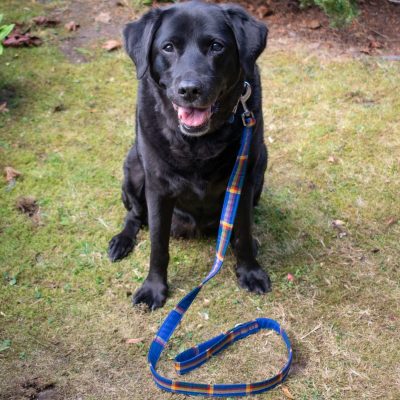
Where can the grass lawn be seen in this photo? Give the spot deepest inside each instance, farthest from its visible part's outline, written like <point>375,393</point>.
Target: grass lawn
<point>328,216</point>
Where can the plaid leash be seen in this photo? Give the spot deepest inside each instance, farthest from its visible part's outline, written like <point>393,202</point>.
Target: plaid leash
<point>198,355</point>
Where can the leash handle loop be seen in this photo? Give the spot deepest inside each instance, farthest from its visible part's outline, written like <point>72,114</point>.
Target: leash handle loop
<point>194,357</point>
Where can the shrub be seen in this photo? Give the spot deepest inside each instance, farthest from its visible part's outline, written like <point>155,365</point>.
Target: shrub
<point>340,12</point>
<point>5,30</point>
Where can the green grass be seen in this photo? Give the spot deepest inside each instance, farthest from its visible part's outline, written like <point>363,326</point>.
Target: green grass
<point>65,310</point>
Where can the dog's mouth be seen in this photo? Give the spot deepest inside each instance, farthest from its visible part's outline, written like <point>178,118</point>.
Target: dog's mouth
<point>193,117</point>
<point>194,121</point>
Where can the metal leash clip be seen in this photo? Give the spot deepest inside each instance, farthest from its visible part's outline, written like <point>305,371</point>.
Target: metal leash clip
<point>247,114</point>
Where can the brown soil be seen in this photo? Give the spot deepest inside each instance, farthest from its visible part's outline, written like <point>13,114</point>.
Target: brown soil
<point>376,31</point>
<point>90,31</point>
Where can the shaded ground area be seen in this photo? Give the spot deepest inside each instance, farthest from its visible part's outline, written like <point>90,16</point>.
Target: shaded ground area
<point>329,217</point>
<point>375,32</point>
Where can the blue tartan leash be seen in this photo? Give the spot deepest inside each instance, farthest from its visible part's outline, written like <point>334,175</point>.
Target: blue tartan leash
<point>192,358</point>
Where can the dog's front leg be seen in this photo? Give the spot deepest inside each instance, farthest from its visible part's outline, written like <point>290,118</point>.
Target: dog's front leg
<point>154,290</point>
<point>248,271</point>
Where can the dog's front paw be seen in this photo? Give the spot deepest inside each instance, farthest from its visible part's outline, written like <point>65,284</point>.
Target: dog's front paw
<point>253,278</point>
<point>120,246</point>
<point>152,292</point>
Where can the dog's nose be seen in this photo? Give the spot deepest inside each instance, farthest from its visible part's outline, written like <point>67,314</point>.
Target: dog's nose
<point>189,90</point>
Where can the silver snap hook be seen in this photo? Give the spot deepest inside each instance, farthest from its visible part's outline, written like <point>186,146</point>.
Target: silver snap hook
<point>243,99</point>
<point>245,96</point>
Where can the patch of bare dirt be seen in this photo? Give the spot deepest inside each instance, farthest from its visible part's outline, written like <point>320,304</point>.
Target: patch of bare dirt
<point>28,205</point>
<point>36,389</point>
<point>98,20</point>
<point>376,32</point>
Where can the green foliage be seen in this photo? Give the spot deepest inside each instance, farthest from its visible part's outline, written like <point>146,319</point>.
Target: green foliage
<point>5,30</point>
<point>5,345</point>
<point>340,12</point>
<point>141,3</point>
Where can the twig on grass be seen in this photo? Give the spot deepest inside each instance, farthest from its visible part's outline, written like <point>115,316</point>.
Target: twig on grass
<point>309,333</point>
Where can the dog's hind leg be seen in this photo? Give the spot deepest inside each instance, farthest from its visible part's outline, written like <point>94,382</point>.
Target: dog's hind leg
<point>133,197</point>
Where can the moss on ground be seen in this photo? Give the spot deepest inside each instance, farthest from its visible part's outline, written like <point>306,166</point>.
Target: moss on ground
<point>332,128</point>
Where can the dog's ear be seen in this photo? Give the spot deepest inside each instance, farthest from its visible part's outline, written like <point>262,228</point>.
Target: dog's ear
<point>251,35</point>
<point>138,37</point>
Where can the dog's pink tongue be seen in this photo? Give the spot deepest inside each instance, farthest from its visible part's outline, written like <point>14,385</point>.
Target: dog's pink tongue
<point>193,116</point>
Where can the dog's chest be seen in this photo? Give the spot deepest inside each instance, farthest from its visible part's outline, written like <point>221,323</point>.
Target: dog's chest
<point>196,181</point>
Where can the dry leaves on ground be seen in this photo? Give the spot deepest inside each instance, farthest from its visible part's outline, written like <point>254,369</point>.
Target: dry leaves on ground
<point>103,17</point>
<point>71,26</point>
<point>287,393</point>
<point>112,45</point>
<point>19,39</point>
<point>333,159</point>
<point>11,174</point>
<point>28,205</point>
<point>314,24</point>
<point>391,221</point>
<point>45,21</point>
<point>134,341</point>
<point>3,107</point>
<point>340,227</point>
<point>263,11</point>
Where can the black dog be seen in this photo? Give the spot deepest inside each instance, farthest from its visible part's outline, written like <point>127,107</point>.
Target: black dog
<point>192,60</point>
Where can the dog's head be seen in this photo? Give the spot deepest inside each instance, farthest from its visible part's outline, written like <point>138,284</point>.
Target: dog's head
<point>196,53</point>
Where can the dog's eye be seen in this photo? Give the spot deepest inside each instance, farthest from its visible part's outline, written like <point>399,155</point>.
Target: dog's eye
<point>216,46</point>
<point>169,48</point>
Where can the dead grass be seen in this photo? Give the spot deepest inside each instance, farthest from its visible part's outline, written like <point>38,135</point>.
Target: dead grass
<point>332,129</point>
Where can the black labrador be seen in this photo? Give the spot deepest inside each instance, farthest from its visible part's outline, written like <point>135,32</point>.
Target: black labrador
<point>192,60</point>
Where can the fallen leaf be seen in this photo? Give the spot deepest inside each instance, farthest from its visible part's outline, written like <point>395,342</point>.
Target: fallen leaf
<point>103,17</point>
<point>314,24</point>
<point>133,341</point>
<point>337,223</point>
<point>111,45</point>
<point>28,205</point>
<point>3,108</point>
<point>340,227</point>
<point>264,11</point>
<point>373,44</point>
<point>204,315</point>
<point>365,50</point>
<point>45,21</point>
<point>11,174</point>
<point>286,392</point>
<point>333,159</point>
<point>391,221</point>
<point>19,39</point>
<point>71,26</point>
